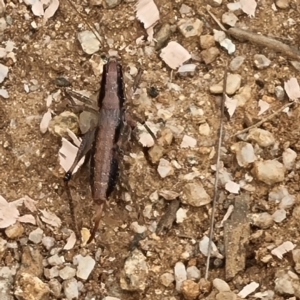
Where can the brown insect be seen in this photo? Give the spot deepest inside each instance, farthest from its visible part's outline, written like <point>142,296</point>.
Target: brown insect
<point>102,140</point>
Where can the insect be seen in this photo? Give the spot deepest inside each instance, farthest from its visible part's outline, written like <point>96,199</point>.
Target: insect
<point>102,140</point>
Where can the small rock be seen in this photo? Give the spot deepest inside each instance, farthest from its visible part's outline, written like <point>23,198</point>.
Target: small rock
<point>70,287</point>
<point>262,137</point>
<point>207,41</point>
<point>48,242</point>
<point>236,63</point>
<point>296,259</point>
<point>193,273</point>
<point>180,274</point>
<point>184,9</point>
<point>3,25</point>
<point>59,124</point>
<point>279,93</point>
<point>87,120</point>
<point>226,296</point>
<point>195,195</point>
<point>269,171</point>
<point>56,260</point>
<point>216,3</point>
<point>188,141</point>
<point>36,235</point>
<point>229,18</point>
<point>190,27</point>
<point>287,202</point>
<point>29,287</point>
<point>86,265</point>
<point>233,83</point>
<point>162,36</point>
<point>244,153</point>
<point>88,41</point>
<point>279,215</point>
<point>190,289</point>
<point>204,129</point>
<point>262,220</point>
<point>283,4</point>
<point>288,158</point>
<point>221,285</point>
<point>210,55</point>
<point>181,215</point>
<point>166,279</point>
<point>112,3</point>
<point>51,273</point>
<point>67,273</point>
<point>165,168</point>
<point>14,231</point>
<point>261,62</point>
<point>135,274</point>
<point>287,283</point>
<point>156,153</point>
<point>243,95</point>
<point>55,287</point>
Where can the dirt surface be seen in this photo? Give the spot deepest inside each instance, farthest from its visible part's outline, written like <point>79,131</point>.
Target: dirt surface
<point>29,159</point>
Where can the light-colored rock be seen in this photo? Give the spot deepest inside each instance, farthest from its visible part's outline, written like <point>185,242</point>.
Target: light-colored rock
<point>269,171</point>
<point>287,202</point>
<point>56,260</point>
<point>243,96</point>
<point>233,83</point>
<point>193,273</point>
<point>36,235</point>
<point>279,92</point>
<point>207,41</point>
<point>221,285</point>
<point>55,287</point>
<point>48,242</point>
<point>190,289</point>
<point>29,287</point>
<point>70,287</point>
<point>279,215</point>
<point>111,3</point>
<point>14,231</point>
<point>226,296</point>
<point>236,63</point>
<point>135,273</point>
<point>67,273</point>
<point>88,41</point>
<point>204,129</point>
<point>262,137</point>
<point>190,27</point>
<point>261,61</point>
<point>162,36</point>
<point>209,55</point>
<point>289,158</point>
<point>180,274</point>
<point>215,3</point>
<point>229,18</point>
<point>165,168</point>
<point>244,153</point>
<point>51,273</point>
<point>156,153</point>
<point>283,4</point>
<point>287,283</point>
<point>166,279</point>
<point>262,220</point>
<point>85,266</point>
<point>195,195</point>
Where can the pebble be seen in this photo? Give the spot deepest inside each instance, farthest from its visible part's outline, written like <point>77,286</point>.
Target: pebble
<point>262,137</point>
<point>283,4</point>
<point>190,289</point>
<point>244,153</point>
<point>89,43</point>
<point>71,289</point>
<point>134,276</point>
<point>48,242</point>
<point>51,273</point>
<point>190,27</point>
<point>210,55</point>
<point>244,94</point>
<point>180,274</point>
<point>216,3</point>
<point>204,129</point>
<point>162,36</point>
<point>184,9</point>
<point>14,231</point>
<point>36,235</point>
<point>156,153</point>
<point>181,215</point>
<point>193,273</point>
<point>279,93</point>
<point>236,63</point>
<point>288,158</point>
<point>279,215</point>
<point>56,260</point>
<point>262,220</point>
<point>221,285</point>
<point>67,273</point>
<point>112,3</point>
<point>278,193</point>
<point>261,61</point>
<point>55,287</point>
<point>29,287</point>
<point>85,266</point>
<point>165,168</point>
<point>269,171</point>
<point>188,141</point>
<point>167,279</point>
<point>287,283</point>
<point>229,18</point>
<point>59,124</point>
<point>207,41</point>
<point>233,84</point>
<point>195,195</point>
<point>287,202</point>
<point>296,259</point>
<point>87,120</point>
<point>226,296</point>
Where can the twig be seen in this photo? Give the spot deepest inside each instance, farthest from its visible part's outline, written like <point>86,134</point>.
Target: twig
<point>264,119</point>
<point>212,219</point>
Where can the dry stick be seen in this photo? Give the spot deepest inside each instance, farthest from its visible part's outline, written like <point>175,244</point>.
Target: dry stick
<point>212,219</point>
<point>260,40</point>
<point>264,120</point>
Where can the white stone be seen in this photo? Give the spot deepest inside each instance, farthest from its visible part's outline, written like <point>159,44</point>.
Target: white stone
<point>85,266</point>
<point>262,137</point>
<point>288,158</point>
<point>89,43</point>
<point>279,215</point>
<point>193,273</point>
<point>36,235</point>
<point>164,168</point>
<point>204,129</point>
<point>269,171</point>
<point>67,273</point>
<point>180,274</point>
<point>195,195</point>
<point>71,289</point>
<point>56,260</point>
<point>244,153</point>
<point>221,285</point>
<point>166,279</point>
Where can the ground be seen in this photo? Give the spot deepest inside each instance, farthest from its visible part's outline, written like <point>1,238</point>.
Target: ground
<point>29,159</point>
